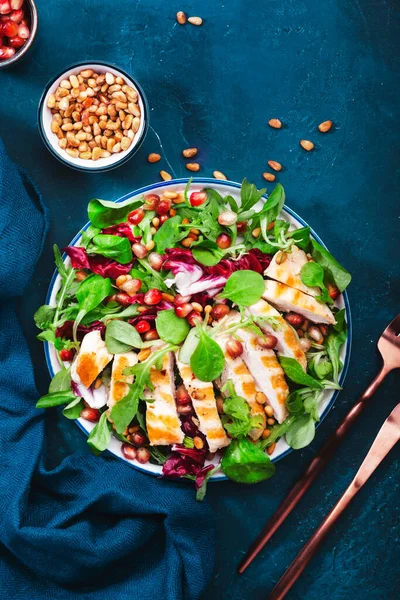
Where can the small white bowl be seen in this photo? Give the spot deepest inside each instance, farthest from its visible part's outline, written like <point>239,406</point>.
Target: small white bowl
<point>51,140</point>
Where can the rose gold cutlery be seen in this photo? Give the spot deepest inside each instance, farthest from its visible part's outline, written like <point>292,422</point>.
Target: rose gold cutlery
<point>389,347</point>
<point>387,437</point>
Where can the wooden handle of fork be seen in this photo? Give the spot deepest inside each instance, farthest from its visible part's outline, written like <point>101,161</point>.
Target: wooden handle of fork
<point>310,475</point>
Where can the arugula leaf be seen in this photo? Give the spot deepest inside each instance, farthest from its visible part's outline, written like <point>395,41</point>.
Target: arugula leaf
<point>295,373</point>
<point>207,361</point>
<point>171,328</point>
<point>44,316</point>
<point>245,462</point>
<point>301,433</point>
<point>73,409</point>
<point>112,246</point>
<point>100,436</point>
<point>125,410</point>
<point>169,234</point>
<point>61,381</point>
<point>55,399</point>
<point>249,195</point>
<point>312,274</point>
<point>89,295</point>
<point>232,203</point>
<point>122,337</point>
<point>277,431</point>
<point>129,311</point>
<point>340,277</point>
<point>244,288</point>
<point>61,268</point>
<point>103,213</point>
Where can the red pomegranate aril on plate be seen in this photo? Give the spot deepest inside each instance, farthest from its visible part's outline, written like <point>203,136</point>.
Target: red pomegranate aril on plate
<point>143,455</point>
<point>241,226</point>
<point>16,4</point>
<point>151,335</point>
<point>155,261</point>
<point>5,7</point>
<point>223,241</point>
<point>16,42</point>
<point>139,438</point>
<point>294,319</point>
<point>152,297</point>
<point>219,311</point>
<point>179,299</point>
<point>10,29</point>
<point>234,348</point>
<point>182,396</point>
<point>136,216</point>
<point>267,341</point>
<point>163,218</point>
<point>123,299</point>
<point>142,326</point>
<point>183,310</point>
<point>17,16</point>
<point>333,291</point>
<point>163,207</point>
<point>193,318</point>
<point>151,201</point>
<point>23,31</point>
<point>90,414</point>
<point>67,355</point>
<point>128,451</point>
<point>185,409</point>
<point>139,250</point>
<point>197,198</point>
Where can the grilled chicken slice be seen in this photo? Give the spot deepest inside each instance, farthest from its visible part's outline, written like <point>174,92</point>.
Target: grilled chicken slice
<point>203,400</point>
<point>266,371</point>
<point>289,271</point>
<point>236,370</point>
<point>119,382</point>
<point>288,342</point>
<point>92,357</point>
<point>288,299</point>
<point>163,424</point>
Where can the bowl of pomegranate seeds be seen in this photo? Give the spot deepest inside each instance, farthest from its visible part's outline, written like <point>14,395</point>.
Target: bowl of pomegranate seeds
<point>93,116</point>
<point>18,26</point>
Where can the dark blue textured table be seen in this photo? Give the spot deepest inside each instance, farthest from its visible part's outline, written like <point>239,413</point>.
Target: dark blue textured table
<point>215,87</point>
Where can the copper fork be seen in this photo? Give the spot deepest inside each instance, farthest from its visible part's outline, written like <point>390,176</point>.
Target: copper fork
<point>388,436</point>
<point>389,347</point>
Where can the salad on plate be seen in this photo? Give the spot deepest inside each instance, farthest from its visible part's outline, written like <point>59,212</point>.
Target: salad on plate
<point>196,329</point>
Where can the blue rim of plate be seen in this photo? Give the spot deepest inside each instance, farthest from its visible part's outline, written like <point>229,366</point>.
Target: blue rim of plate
<point>207,180</point>
<point>136,146</point>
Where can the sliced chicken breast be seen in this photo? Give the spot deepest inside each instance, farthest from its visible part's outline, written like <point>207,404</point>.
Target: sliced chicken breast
<point>288,299</point>
<point>162,420</point>
<point>236,370</point>
<point>204,404</point>
<point>91,359</point>
<point>288,342</point>
<point>119,384</point>
<point>289,271</point>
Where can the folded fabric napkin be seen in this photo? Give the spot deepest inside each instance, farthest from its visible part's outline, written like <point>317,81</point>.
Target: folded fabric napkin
<point>92,527</point>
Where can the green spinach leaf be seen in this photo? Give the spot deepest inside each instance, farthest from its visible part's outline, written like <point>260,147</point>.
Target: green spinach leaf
<point>274,204</point>
<point>245,462</point>
<point>122,337</point>
<point>73,409</point>
<point>112,246</point>
<point>249,195</point>
<point>207,361</point>
<point>312,274</point>
<point>44,316</point>
<point>301,237</point>
<point>295,373</point>
<point>237,418</point>
<point>55,399</point>
<point>171,328</point>
<point>89,295</point>
<point>301,433</point>
<point>61,381</point>
<point>103,213</point>
<point>338,274</point>
<point>100,436</point>
<point>244,288</point>
<point>169,234</point>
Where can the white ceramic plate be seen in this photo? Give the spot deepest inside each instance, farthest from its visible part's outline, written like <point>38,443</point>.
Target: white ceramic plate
<point>225,188</point>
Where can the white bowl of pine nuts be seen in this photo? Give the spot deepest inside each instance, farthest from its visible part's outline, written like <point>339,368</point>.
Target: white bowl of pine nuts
<point>93,117</point>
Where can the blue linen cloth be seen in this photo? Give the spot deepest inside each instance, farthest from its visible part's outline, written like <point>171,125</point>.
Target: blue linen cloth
<point>92,527</point>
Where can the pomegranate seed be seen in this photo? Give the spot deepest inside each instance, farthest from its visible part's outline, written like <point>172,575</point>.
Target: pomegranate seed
<point>333,291</point>
<point>234,348</point>
<point>183,310</point>
<point>90,414</point>
<point>163,218</point>
<point>315,334</point>
<point>128,451</point>
<point>197,198</point>
<point>163,207</point>
<point>155,261</point>
<point>123,299</point>
<point>294,319</point>
<point>143,456</point>
<point>6,52</point>
<point>139,438</point>
<point>179,299</point>
<point>67,355</point>
<point>182,396</point>
<point>136,216</point>
<point>267,341</point>
<point>139,250</point>
<point>23,31</point>
<point>223,241</point>
<point>151,201</point>
<point>142,326</point>
<point>17,16</point>
<point>10,29</point>
<point>16,4</point>
<point>193,318</point>
<point>186,409</point>
<point>151,335</point>
<point>5,7</point>
<point>241,226</point>
<point>153,296</point>
<point>219,311</point>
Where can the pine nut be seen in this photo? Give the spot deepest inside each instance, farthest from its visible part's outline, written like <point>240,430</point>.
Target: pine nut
<point>165,176</point>
<point>275,123</point>
<point>280,257</point>
<point>170,195</point>
<point>153,157</point>
<point>269,176</point>
<point>195,21</point>
<point>269,411</point>
<point>261,398</point>
<point>51,102</point>
<point>271,421</point>
<point>198,442</point>
<point>219,175</point>
<point>275,165</point>
<point>72,152</point>
<point>181,17</point>
<point>256,232</point>
<point>189,152</point>
<point>193,167</point>
<point>271,448</point>
<point>266,433</point>
<point>307,145</point>
<point>325,126</point>
<point>85,155</point>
